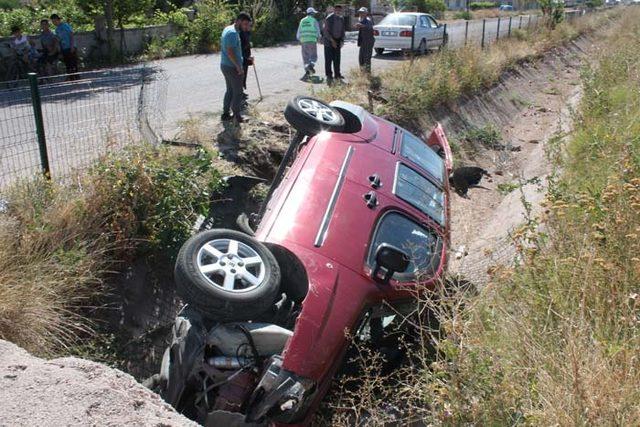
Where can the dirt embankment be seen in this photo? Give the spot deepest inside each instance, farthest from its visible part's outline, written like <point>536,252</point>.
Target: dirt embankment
<point>530,107</point>
<point>71,391</point>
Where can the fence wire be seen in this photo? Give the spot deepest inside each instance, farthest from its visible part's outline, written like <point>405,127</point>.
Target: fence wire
<point>99,112</point>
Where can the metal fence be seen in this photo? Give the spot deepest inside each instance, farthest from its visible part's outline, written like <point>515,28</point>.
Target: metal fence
<point>81,119</point>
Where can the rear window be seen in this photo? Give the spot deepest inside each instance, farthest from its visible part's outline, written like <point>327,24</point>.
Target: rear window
<point>423,246</point>
<point>418,191</point>
<point>414,149</point>
<point>399,19</point>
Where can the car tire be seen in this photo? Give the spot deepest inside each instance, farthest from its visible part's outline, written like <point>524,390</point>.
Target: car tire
<point>422,47</point>
<point>311,116</point>
<point>379,50</point>
<point>227,275</point>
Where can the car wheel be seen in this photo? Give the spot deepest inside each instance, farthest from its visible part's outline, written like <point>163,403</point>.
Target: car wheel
<point>422,47</point>
<point>311,116</point>
<point>379,50</point>
<point>227,275</point>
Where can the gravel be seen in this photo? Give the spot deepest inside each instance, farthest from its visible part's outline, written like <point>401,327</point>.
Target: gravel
<point>73,392</point>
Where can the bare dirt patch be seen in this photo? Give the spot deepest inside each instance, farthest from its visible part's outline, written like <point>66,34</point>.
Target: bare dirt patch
<point>71,391</point>
<point>535,104</point>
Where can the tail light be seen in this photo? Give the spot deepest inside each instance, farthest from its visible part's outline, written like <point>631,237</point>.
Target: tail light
<point>376,32</point>
<point>406,33</point>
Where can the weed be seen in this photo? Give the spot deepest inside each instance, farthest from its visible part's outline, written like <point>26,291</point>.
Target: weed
<point>58,242</point>
<point>488,135</point>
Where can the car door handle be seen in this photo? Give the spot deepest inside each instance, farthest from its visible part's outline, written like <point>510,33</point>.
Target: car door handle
<point>374,181</point>
<point>371,199</point>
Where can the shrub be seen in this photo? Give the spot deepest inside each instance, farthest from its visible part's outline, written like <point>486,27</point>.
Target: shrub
<point>482,5</point>
<point>57,242</point>
<point>430,6</point>
<point>464,14</point>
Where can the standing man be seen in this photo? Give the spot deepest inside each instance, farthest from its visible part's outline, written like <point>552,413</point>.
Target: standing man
<point>67,45</point>
<point>231,66</point>
<point>333,37</point>
<point>308,35</point>
<point>365,39</point>
<point>247,59</point>
<point>50,48</point>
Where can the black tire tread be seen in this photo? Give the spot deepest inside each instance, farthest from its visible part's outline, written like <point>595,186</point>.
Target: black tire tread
<point>307,124</point>
<point>233,308</point>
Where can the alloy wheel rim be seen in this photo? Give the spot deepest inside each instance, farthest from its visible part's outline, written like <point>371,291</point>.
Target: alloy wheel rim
<point>317,110</point>
<point>231,265</point>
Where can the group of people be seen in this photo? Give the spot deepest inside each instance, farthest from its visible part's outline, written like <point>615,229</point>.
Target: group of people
<point>332,35</point>
<point>54,46</point>
<point>235,56</point>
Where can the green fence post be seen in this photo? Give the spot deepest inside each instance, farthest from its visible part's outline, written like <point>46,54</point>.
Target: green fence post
<point>498,32</point>
<point>466,32</point>
<point>509,33</point>
<point>483,25</point>
<point>37,115</point>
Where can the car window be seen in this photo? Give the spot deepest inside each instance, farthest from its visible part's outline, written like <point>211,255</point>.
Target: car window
<point>417,190</point>
<point>399,19</point>
<point>414,149</point>
<point>433,22</point>
<point>424,22</point>
<point>423,246</point>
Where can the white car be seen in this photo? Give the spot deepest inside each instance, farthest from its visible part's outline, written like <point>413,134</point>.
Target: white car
<point>408,31</point>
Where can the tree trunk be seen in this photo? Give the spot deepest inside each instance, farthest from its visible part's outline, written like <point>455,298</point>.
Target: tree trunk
<point>108,14</point>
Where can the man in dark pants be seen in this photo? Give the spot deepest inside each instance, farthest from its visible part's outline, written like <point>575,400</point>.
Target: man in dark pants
<point>231,66</point>
<point>65,34</point>
<point>247,59</point>
<point>365,39</point>
<point>333,37</point>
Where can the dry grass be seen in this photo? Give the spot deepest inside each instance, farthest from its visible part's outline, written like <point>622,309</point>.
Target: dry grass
<point>404,94</point>
<point>59,242</point>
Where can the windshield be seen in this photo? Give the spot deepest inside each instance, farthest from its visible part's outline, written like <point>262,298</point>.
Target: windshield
<point>399,19</point>
<point>420,192</point>
<point>421,244</point>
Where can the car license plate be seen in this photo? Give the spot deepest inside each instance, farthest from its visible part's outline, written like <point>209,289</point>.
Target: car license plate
<point>389,33</point>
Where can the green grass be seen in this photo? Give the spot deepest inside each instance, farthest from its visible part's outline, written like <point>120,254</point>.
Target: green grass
<point>58,243</point>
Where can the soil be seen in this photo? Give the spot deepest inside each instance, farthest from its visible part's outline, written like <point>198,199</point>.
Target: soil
<point>74,392</point>
<point>531,107</point>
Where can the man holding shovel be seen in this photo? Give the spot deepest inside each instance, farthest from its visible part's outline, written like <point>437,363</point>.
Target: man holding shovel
<point>308,34</point>
<point>231,62</point>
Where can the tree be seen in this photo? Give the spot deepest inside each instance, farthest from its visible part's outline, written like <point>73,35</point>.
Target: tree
<point>553,11</point>
<point>116,12</point>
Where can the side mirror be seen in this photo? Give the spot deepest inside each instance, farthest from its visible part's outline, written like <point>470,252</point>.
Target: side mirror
<point>392,260</point>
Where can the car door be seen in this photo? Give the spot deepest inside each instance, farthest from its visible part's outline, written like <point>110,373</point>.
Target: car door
<point>435,33</point>
<point>423,31</point>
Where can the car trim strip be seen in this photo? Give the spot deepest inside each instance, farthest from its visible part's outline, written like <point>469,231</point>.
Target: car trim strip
<point>328,213</point>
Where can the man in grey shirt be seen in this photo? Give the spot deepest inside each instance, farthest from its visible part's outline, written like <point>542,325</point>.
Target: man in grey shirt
<point>333,33</point>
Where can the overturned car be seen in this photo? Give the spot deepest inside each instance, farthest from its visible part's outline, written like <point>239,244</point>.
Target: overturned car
<point>356,220</point>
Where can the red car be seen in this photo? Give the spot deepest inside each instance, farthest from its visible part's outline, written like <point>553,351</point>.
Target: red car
<point>356,220</point>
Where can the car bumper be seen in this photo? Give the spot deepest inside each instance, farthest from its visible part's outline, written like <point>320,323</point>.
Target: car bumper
<point>394,43</point>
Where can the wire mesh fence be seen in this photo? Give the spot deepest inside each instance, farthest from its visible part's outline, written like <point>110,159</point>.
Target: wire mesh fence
<point>97,112</point>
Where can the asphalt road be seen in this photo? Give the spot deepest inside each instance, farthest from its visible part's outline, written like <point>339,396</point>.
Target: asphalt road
<point>197,86</point>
